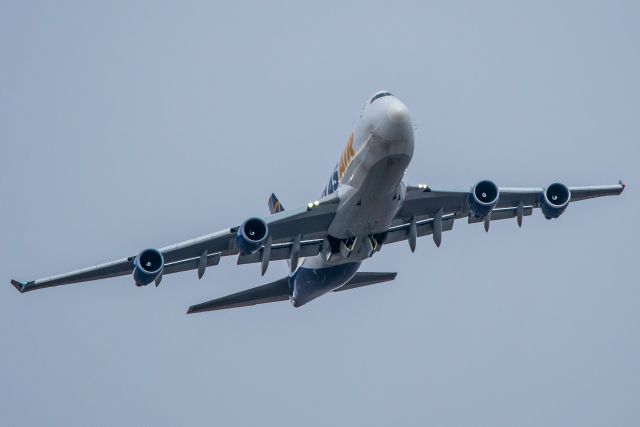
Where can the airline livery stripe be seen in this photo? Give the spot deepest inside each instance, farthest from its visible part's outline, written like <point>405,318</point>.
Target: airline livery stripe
<point>347,157</point>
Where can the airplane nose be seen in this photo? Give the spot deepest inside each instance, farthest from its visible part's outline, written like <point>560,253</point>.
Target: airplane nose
<point>393,121</point>
<point>397,112</point>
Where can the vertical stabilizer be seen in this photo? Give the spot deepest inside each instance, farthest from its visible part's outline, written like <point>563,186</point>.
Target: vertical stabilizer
<point>274,204</point>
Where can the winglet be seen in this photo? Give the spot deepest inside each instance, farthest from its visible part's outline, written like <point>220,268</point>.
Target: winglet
<point>623,184</point>
<point>21,287</point>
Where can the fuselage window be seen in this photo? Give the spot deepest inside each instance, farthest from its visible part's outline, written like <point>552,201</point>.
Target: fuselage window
<point>380,95</point>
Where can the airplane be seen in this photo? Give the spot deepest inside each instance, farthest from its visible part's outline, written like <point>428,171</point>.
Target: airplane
<point>365,205</point>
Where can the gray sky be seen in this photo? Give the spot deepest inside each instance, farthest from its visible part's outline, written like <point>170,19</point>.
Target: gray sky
<point>125,126</point>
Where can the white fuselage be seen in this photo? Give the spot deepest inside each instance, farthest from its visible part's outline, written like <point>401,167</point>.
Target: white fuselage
<point>368,181</point>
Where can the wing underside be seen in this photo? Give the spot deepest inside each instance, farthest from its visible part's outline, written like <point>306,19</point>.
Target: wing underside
<point>303,232</point>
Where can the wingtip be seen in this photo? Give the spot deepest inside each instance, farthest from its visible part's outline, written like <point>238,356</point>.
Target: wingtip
<point>18,285</point>
<point>194,310</point>
<point>622,184</point>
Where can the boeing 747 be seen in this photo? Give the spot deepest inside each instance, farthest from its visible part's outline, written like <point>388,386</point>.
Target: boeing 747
<point>365,205</point>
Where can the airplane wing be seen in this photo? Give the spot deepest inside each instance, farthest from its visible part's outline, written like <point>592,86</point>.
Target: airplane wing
<point>431,211</point>
<point>302,230</point>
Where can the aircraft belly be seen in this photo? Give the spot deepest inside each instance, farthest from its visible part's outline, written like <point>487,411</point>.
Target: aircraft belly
<point>308,283</point>
<point>370,206</point>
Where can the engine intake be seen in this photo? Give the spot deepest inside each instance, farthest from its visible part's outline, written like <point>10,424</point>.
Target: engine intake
<point>483,198</point>
<point>251,235</point>
<point>148,265</point>
<point>554,200</point>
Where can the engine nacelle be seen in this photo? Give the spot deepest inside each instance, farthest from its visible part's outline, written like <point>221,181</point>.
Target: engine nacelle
<point>148,265</point>
<point>483,198</point>
<point>251,235</point>
<point>554,200</point>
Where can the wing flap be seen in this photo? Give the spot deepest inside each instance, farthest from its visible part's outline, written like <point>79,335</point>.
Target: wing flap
<point>424,228</point>
<point>280,251</point>
<point>503,213</point>
<point>190,264</point>
<point>425,202</point>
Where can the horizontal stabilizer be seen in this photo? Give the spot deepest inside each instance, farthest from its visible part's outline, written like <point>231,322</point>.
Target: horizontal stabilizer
<point>366,279</point>
<point>271,292</point>
<point>279,291</point>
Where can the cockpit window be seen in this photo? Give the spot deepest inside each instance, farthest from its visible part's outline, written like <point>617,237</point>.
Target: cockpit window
<point>380,95</point>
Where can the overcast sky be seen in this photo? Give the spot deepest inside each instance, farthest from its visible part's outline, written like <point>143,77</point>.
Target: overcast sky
<point>125,126</point>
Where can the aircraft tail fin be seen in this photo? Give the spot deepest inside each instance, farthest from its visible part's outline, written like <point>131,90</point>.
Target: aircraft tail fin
<point>274,204</point>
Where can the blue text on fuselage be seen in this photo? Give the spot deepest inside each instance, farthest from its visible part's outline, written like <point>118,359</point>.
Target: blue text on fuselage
<point>332,186</point>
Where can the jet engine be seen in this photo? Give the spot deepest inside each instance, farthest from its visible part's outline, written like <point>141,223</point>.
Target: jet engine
<point>148,266</point>
<point>251,235</point>
<point>554,200</point>
<point>483,198</point>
